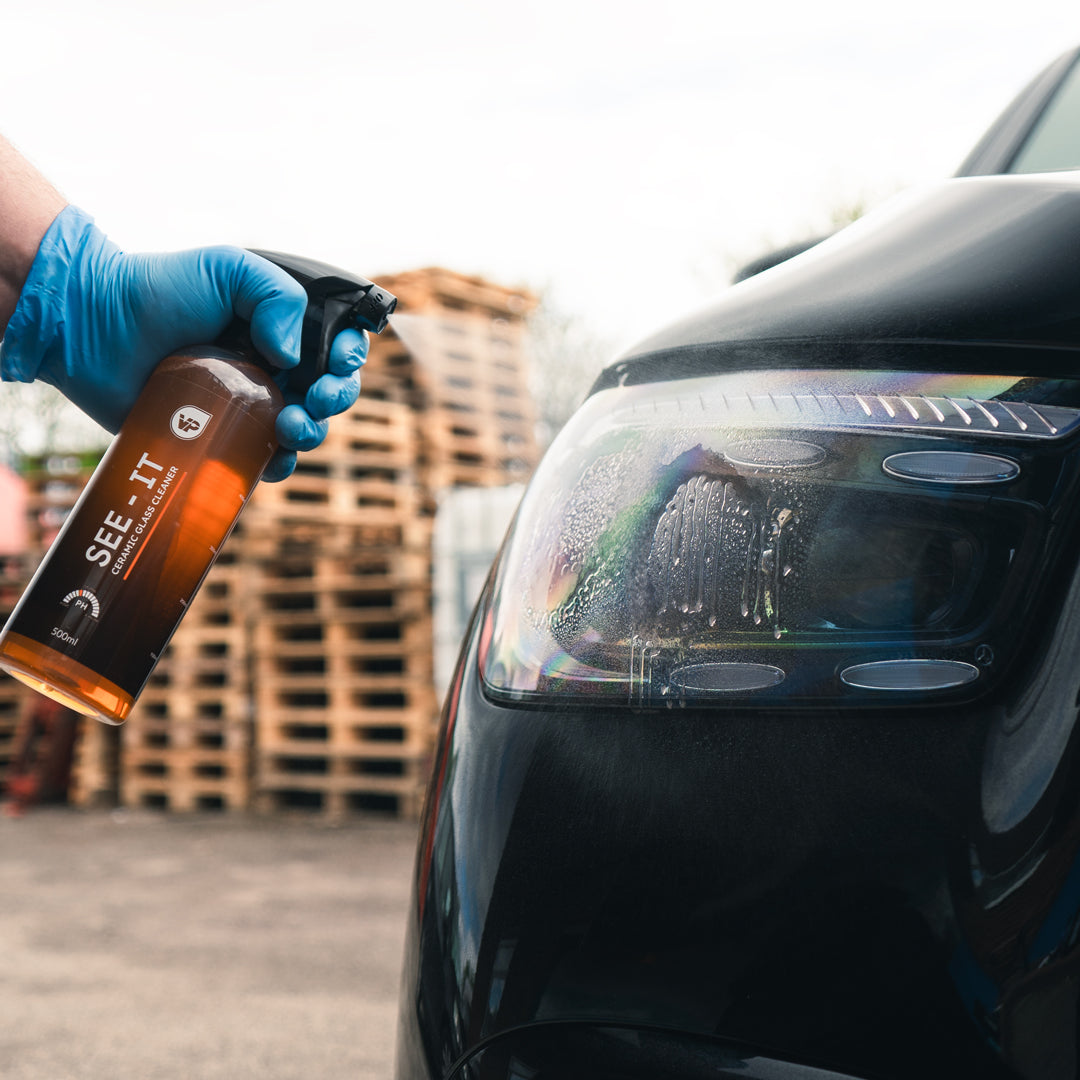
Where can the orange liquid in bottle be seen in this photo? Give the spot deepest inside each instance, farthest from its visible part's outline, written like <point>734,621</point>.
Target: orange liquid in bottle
<point>102,606</point>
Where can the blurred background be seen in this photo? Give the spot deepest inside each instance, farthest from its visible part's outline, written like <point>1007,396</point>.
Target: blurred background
<point>578,149</point>
<point>541,185</point>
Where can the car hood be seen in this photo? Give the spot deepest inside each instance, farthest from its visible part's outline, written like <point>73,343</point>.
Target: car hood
<point>983,267</point>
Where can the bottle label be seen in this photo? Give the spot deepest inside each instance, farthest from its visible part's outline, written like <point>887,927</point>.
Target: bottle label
<point>135,549</point>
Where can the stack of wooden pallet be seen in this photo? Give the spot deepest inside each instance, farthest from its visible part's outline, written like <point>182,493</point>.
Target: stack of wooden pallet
<point>343,696</point>
<point>12,693</point>
<point>187,745</point>
<point>462,348</point>
<point>52,484</point>
<point>301,676</point>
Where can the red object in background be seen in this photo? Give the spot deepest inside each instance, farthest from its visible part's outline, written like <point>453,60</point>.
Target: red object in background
<point>14,535</point>
<point>41,765</point>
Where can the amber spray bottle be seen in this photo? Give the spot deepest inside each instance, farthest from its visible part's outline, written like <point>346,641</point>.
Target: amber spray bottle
<point>119,577</point>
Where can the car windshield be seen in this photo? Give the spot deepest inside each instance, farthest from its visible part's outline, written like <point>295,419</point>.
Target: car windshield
<point>1054,141</point>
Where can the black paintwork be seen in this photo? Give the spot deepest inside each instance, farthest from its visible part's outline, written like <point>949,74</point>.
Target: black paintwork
<point>774,258</point>
<point>582,1051</point>
<point>887,893</point>
<point>823,887</point>
<point>969,275</point>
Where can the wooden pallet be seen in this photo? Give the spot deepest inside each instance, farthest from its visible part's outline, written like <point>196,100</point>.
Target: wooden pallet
<point>436,288</point>
<point>12,697</point>
<point>53,484</point>
<point>337,597</point>
<point>14,574</point>
<point>282,635</point>
<point>95,772</point>
<point>468,378</point>
<point>344,703</point>
<point>187,744</point>
<point>267,539</point>
<point>364,472</point>
<point>185,780</point>
<point>341,786</point>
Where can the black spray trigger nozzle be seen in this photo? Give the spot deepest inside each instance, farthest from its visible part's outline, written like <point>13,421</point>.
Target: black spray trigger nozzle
<point>337,300</point>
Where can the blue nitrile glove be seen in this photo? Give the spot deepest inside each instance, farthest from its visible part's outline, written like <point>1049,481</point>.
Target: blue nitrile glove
<point>95,322</point>
<point>303,425</point>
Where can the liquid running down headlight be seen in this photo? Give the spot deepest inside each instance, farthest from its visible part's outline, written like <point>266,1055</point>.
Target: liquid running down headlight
<point>786,536</point>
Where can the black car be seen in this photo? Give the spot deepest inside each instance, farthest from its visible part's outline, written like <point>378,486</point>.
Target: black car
<point>760,760</point>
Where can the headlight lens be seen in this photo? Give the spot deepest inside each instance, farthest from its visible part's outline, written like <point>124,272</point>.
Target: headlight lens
<point>787,536</point>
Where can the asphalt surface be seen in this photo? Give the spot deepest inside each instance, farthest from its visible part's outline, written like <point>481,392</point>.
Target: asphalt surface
<point>134,945</point>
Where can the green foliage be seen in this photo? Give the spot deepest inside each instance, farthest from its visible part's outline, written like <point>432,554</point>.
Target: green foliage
<point>35,419</point>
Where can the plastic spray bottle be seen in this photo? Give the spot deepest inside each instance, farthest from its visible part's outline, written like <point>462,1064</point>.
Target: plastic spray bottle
<point>119,577</point>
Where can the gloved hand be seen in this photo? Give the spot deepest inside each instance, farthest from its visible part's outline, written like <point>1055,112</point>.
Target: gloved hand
<point>95,322</point>
<point>303,425</point>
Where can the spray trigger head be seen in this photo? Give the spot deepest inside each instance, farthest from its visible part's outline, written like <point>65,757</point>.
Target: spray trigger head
<point>337,300</point>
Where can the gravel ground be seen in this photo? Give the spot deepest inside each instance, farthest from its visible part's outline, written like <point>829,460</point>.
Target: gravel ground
<point>134,945</point>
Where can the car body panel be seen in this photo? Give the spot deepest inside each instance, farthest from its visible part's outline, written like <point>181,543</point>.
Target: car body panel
<point>862,891</point>
<point>973,274</point>
<point>816,886</point>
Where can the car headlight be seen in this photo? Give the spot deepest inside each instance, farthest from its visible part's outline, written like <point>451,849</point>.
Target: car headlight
<point>788,535</point>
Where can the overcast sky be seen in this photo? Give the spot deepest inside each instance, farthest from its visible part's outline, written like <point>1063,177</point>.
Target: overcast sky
<point>607,151</point>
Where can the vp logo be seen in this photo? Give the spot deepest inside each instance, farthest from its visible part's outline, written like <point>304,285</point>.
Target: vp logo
<point>189,421</point>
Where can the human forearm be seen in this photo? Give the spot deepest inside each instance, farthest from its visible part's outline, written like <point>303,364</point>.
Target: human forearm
<point>28,205</point>
<point>94,321</point>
